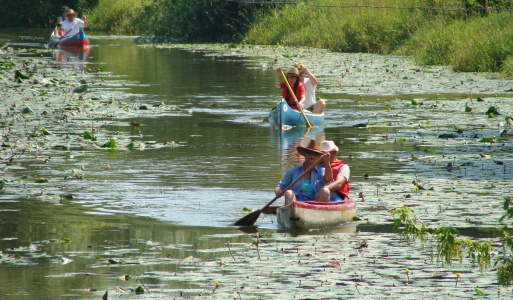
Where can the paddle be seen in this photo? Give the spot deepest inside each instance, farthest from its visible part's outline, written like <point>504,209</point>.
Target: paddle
<point>62,37</point>
<point>251,218</point>
<point>295,99</point>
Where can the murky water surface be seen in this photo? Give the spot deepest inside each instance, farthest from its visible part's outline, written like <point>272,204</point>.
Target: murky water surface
<point>160,217</point>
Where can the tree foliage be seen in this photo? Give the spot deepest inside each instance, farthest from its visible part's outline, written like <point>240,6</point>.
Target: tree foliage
<point>35,13</point>
<point>200,20</point>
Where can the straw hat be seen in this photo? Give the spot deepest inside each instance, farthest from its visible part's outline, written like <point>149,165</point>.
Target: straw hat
<point>313,145</point>
<point>329,146</point>
<point>293,72</point>
<point>72,12</point>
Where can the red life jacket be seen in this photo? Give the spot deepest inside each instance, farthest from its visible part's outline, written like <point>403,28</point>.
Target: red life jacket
<point>288,96</point>
<point>335,167</point>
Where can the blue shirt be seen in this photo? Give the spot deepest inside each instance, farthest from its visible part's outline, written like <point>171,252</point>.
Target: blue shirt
<point>316,179</point>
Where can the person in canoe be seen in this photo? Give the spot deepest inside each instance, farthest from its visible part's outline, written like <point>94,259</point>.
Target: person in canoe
<point>64,12</point>
<point>310,83</point>
<point>308,188</point>
<point>298,88</point>
<point>58,29</point>
<point>73,24</point>
<point>338,189</point>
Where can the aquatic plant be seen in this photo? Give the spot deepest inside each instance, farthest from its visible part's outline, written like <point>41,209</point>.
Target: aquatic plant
<point>448,246</point>
<point>412,229</point>
<point>505,262</point>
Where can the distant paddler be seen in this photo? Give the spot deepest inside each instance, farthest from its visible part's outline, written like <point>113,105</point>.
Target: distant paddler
<point>72,25</point>
<point>294,82</point>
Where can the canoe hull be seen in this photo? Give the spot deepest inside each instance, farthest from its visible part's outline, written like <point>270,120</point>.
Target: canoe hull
<point>311,214</point>
<point>283,115</point>
<point>78,40</point>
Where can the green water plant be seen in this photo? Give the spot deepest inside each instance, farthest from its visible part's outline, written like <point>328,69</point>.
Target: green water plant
<point>505,262</point>
<point>412,229</point>
<point>448,246</point>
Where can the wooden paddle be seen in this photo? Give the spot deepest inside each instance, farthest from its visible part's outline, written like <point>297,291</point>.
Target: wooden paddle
<point>308,123</point>
<point>251,218</point>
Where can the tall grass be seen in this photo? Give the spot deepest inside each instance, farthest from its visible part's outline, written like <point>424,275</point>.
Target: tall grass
<point>477,40</point>
<point>117,16</point>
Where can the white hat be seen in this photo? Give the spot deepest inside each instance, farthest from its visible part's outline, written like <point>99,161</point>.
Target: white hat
<point>329,146</point>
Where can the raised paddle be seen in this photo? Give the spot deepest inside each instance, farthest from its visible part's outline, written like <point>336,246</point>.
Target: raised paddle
<point>251,218</point>
<point>295,99</point>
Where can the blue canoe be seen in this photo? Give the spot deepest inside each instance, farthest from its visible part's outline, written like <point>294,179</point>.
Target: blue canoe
<point>282,115</point>
<point>78,40</point>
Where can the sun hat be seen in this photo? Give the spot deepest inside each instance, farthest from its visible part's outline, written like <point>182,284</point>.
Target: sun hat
<point>313,145</point>
<point>293,72</point>
<point>328,145</point>
<point>72,12</point>
<point>64,8</point>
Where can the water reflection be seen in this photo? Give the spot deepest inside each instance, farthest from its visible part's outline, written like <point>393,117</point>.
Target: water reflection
<point>288,140</point>
<point>71,57</point>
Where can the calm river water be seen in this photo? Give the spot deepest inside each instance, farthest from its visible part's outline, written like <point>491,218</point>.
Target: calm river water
<point>229,159</point>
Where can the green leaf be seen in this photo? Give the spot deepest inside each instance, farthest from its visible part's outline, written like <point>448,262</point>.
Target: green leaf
<point>45,131</point>
<point>414,102</point>
<point>110,144</point>
<point>28,110</point>
<point>486,140</point>
<point>139,290</point>
<point>479,293</point>
<point>492,110</point>
<point>89,136</point>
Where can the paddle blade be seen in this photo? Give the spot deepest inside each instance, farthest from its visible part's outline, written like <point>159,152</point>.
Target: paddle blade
<point>249,219</point>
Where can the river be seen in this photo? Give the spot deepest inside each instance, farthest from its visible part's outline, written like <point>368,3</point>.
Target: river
<point>180,202</point>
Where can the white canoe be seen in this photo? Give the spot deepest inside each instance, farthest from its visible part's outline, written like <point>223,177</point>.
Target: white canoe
<point>311,214</point>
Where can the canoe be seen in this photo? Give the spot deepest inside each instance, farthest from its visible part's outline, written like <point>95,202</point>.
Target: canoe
<point>78,40</point>
<point>311,214</point>
<point>282,115</point>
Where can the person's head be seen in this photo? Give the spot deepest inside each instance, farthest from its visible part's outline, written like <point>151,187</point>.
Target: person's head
<point>64,11</point>
<point>311,152</point>
<point>330,147</point>
<point>59,22</point>
<point>292,76</point>
<point>71,15</point>
<point>301,68</point>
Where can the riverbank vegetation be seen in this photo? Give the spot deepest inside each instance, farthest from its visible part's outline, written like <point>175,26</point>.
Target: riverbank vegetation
<point>468,35</point>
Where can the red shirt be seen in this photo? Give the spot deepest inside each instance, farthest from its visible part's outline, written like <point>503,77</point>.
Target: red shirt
<point>300,91</point>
